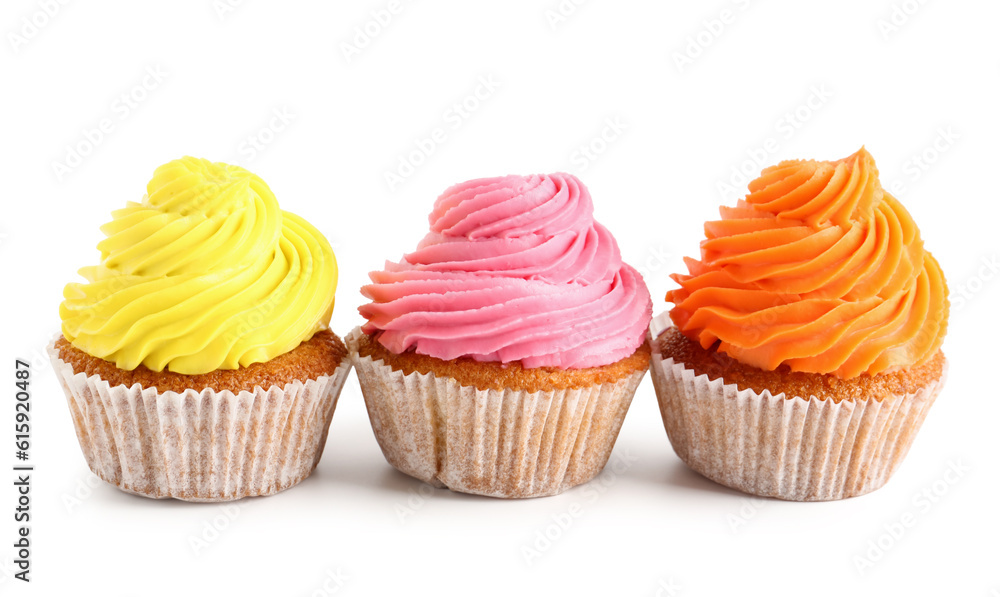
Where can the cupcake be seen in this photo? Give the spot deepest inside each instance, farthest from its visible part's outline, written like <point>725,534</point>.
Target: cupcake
<point>501,356</point>
<point>196,358</point>
<point>805,349</point>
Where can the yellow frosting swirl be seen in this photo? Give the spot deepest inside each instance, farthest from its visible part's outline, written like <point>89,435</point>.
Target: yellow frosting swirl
<point>206,273</point>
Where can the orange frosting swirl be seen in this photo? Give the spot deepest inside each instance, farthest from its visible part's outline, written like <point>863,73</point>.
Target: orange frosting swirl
<point>817,268</point>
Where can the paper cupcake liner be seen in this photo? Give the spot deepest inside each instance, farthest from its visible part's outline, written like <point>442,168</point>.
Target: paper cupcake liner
<point>789,448</point>
<point>203,446</point>
<point>499,443</point>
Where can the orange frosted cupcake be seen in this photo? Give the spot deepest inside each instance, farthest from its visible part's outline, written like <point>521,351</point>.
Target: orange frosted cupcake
<point>805,350</point>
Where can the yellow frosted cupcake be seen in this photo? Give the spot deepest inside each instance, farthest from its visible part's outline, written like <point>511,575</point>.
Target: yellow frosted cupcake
<point>805,350</point>
<point>196,358</point>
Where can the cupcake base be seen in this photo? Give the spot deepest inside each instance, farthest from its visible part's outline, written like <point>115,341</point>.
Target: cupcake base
<point>518,441</point>
<point>210,445</point>
<point>846,439</point>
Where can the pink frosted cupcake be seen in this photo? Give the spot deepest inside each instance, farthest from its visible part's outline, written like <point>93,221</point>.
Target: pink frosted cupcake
<point>501,356</point>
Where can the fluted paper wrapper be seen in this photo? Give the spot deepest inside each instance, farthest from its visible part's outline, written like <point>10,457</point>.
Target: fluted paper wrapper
<point>499,443</point>
<point>202,446</point>
<point>789,448</point>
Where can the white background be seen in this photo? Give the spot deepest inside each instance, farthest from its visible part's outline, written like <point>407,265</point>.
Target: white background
<point>655,528</point>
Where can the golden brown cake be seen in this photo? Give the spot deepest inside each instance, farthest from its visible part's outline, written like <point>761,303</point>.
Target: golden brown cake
<point>717,365</point>
<point>318,356</point>
<point>491,375</point>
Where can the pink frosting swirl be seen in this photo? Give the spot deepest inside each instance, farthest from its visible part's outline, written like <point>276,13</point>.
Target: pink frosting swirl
<point>513,269</point>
